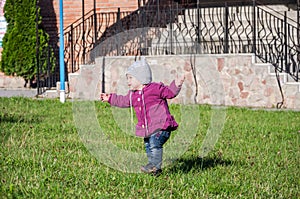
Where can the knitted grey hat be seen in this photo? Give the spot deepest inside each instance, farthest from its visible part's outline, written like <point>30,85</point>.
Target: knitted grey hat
<point>141,71</point>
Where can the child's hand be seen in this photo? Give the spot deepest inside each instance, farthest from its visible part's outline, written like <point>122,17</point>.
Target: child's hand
<point>179,80</point>
<point>104,97</point>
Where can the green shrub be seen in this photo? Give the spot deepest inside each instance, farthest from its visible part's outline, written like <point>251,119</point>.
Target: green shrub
<point>20,41</point>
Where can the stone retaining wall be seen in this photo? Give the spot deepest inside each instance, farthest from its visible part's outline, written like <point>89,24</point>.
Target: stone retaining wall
<point>231,80</point>
<point>10,82</point>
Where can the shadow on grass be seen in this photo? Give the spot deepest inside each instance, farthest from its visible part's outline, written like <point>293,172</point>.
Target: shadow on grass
<point>12,121</point>
<point>187,164</point>
<point>8,119</point>
<point>14,118</point>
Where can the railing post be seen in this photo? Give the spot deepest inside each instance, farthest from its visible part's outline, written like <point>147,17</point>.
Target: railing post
<point>198,48</point>
<point>298,22</point>
<point>49,68</point>
<point>142,23</point>
<point>103,75</point>
<point>118,29</point>
<point>298,38</point>
<point>171,33</point>
<point>226,32</point>
<point>286,43</point>
<point>37,47</point>
<point>158,15</point>
<point>254,29</point>
<point>143,38</point>
<point>95,23</point>
<point>83,34</point>
<point>70,39</point>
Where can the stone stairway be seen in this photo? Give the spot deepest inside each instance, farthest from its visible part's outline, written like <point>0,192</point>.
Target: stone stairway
<point>290,88</point>
<point>181,38</point>
<point>184,34</point>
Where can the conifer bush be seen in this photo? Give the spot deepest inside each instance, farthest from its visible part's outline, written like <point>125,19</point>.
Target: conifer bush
<point>20,41</point>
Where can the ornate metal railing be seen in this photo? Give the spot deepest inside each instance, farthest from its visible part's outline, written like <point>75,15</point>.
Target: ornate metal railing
<point>278,42</point>
<point>81,36</point>
<point>185,29</point>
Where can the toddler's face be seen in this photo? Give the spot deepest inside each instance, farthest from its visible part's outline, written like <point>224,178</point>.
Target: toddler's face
<point>133,83</point>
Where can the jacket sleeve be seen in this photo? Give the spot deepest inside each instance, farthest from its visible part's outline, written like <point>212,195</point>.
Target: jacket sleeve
<point>122,101</point>
<point>170,91</point>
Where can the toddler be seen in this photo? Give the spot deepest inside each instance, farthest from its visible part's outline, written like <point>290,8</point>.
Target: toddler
<point>149,101</point>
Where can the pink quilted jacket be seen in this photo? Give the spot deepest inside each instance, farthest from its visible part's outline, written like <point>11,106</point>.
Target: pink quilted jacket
<point>151,107</point>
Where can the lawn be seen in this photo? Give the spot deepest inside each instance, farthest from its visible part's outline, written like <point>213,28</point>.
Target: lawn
<point>52,150</point>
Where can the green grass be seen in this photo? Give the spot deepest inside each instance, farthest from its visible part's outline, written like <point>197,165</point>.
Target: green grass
<point>43,156</point>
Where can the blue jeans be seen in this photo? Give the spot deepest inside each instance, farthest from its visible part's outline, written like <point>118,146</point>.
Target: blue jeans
<point>154,147</point>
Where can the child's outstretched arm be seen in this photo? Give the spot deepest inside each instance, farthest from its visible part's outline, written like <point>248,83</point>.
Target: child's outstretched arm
<point>173,89</point>
<point>122,101</point>
<point>104,97</point>
<point>179,80</point>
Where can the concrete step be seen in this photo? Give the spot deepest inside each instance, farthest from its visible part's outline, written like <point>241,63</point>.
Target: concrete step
<point>81,80</point>
<point>16,92</point>
<point>285,79</point>
<point>276,10</point>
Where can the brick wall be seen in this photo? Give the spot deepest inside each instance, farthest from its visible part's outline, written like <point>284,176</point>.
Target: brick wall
<point>73,9</point>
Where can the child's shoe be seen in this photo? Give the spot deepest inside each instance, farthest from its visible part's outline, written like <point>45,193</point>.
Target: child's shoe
<point>157,172</point>
<point>151,169</point>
